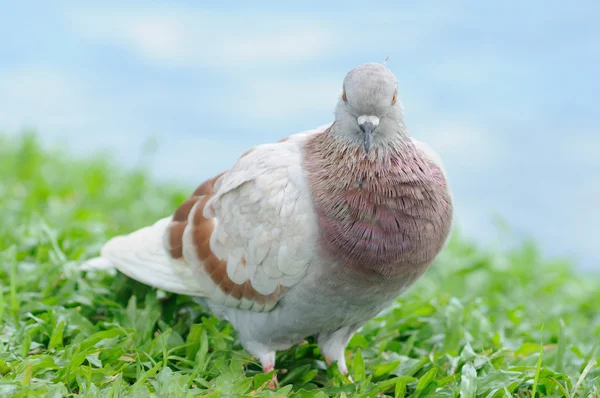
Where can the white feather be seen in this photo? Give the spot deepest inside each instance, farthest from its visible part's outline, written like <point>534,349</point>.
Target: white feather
<point>264,227</point>
<point>274,224</point>
<point>430,154</point>
<point>141,256</point>
<point>97,264</point>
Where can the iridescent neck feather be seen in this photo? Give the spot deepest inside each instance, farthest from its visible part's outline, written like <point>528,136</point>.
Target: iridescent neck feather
<point>387,213</point>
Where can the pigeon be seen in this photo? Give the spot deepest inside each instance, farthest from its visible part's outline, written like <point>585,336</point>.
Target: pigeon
<point>310,236</point>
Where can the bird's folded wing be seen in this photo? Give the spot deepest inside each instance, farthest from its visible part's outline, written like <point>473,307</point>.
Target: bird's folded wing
<point>430,154</point>
<point>242,239</point>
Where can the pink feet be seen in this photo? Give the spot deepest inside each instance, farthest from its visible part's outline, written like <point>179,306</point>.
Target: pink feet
<point>268,364</point>
<point>273,383</point>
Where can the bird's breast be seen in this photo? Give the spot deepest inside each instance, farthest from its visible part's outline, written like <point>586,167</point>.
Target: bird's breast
<point>385,215</point>
<point>375,230</point>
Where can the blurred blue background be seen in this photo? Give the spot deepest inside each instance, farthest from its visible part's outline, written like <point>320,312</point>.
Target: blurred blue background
<point>505,91</point>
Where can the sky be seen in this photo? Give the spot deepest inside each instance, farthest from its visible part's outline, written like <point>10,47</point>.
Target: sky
<point>505,92</point>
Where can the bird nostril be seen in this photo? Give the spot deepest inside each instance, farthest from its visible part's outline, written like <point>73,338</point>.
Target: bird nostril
<point>368,123</point>
<point>367,127</point>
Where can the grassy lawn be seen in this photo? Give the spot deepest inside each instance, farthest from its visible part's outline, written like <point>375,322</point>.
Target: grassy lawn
<point>481,322</point>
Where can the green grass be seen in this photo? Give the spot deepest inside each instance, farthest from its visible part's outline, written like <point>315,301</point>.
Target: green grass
<point>481,322</point>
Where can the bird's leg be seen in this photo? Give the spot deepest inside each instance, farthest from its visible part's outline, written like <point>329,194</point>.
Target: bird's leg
<point>267,361</point>
<point>332,347</point>
<point>265,355</point>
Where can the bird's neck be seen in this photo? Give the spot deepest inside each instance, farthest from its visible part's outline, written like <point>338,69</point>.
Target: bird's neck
<point>361,198</point>
<point>391,140</point>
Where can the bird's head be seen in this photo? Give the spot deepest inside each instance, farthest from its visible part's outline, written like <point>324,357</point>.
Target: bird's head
<point>368,111</point>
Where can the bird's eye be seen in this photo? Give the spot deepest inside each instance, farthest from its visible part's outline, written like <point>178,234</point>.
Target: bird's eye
<point>395,98</point>
<point>344,96</point>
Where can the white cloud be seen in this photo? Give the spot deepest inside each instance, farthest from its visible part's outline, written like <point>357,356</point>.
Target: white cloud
<point>31,97</point>
<point>194,158</point>
<point>64,110</point>
<point>462,144</point>
<point>177,37</point>
<point>582,149</point>
<point>280,99</point>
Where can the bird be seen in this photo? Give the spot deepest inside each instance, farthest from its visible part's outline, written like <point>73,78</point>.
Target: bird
<point>309,236</point>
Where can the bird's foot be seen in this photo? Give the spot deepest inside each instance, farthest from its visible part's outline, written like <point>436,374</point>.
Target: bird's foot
<point>274,382</point>
<point>345,373</point>
<point>344,370</point>
<point>332,347</point>
<point>268,364</point>
<point>341,364</point>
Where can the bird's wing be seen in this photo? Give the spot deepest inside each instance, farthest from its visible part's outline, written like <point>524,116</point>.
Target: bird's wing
<point>430,154</point>
<point>242,239</point>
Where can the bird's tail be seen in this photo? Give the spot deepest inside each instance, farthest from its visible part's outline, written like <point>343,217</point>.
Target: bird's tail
<point>141,256</point>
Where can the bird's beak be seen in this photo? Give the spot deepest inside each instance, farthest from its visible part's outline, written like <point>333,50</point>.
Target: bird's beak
<point>367,125</point>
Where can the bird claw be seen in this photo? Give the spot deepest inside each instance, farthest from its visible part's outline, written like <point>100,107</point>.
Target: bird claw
<point>344,372</point>
<point>267,361</point>
<point>274,382</point>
